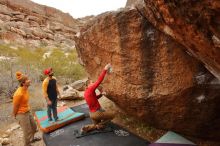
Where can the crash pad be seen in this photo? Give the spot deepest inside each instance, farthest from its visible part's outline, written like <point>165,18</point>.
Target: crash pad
<point>172,139</point>
<point>66,136</point>
<point>65,114</point>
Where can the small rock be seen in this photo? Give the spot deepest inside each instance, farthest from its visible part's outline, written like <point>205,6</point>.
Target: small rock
<point>65,88</point>
<point>13,127</point>
<point>61,104</point>
<point>216,41</point>
<point>5,135</point>
<point>4,141</point>
<point>79,85</point>
<point>70,94</point>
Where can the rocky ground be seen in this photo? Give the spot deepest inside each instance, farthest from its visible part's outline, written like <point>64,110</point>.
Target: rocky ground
<point>129,123</point>
<point>10,130</point>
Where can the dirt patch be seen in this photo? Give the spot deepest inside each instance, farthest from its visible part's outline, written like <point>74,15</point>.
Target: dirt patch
<point>16,138</point>
<point>5,115</point>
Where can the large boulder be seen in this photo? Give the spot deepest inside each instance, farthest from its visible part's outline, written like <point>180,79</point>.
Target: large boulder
<point>194,24</point>
<point>153,78</point>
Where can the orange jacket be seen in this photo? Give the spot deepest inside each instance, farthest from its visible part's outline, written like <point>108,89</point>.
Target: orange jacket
<point>21,99</point>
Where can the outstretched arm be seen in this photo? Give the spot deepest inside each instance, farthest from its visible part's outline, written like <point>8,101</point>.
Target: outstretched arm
<point>101,77</point>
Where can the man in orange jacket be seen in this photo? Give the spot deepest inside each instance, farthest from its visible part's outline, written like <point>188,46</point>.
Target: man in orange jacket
<point>21,110</point>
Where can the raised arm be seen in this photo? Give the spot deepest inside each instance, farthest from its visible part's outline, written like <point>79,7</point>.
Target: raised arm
<point>101,76</point>
<point>100,79</point>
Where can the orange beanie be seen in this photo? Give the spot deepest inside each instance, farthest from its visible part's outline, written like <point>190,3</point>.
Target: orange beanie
<point>20,77</point>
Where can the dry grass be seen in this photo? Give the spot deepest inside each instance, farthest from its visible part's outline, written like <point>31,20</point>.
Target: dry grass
<point>5,115</point>
<point>37,101</point>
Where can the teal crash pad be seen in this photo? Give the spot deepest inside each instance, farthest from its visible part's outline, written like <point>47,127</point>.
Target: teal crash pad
<point>172,139</point>
<point>65,114</point>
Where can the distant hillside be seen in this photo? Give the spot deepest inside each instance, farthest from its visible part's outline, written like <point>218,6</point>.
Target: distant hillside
<point>24,22</point>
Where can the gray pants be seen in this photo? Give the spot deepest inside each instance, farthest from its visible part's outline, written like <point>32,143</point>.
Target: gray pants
<point>28,127</point>
<point>52,108</point>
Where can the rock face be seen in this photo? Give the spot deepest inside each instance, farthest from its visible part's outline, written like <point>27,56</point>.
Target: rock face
<point>153,78</point>
<point>25,22</point>
<point>194,24</point>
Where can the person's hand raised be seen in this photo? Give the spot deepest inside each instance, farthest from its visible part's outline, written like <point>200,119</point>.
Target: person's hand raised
<point>108,66</point>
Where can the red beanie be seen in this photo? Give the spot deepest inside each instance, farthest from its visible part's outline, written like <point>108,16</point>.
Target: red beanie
<point>47,71</point>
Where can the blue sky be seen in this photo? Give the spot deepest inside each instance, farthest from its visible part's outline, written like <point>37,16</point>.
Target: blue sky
<point>81,8</point>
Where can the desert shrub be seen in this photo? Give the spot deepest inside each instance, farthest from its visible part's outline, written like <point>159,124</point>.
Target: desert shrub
<point>8,83</point>
<point>32,63</point>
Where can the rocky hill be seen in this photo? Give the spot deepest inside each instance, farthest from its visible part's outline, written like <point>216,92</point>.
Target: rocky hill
<point>24,22</point>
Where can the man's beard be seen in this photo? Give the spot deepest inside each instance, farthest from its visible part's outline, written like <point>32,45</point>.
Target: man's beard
<point>51,75</point>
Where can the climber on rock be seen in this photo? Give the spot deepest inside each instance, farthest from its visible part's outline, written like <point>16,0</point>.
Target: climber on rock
<point>99,116</point>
